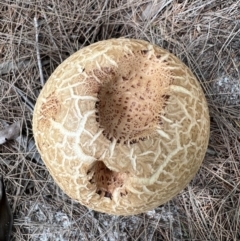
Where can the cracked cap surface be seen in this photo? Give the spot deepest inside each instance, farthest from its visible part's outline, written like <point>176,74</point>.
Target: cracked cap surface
<point>122,126</point>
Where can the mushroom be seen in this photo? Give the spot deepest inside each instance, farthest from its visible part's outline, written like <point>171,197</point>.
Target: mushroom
<point>122,126</point>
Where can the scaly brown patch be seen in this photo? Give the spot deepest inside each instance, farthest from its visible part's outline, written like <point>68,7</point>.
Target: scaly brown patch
<point>106,180</point>
<point>49,110</point>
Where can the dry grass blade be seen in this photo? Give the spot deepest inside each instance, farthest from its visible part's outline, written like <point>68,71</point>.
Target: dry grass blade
<point>204,34</point>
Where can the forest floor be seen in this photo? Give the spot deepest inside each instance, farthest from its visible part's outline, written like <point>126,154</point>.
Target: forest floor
<point>204,34</point>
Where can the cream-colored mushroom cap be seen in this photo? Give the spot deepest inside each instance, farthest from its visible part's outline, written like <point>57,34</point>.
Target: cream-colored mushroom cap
<point>122,125</point>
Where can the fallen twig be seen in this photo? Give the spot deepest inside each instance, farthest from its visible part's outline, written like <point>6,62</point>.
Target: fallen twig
<point>38,52</point>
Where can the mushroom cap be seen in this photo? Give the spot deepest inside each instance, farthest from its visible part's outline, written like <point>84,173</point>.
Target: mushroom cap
<point>122,125</point>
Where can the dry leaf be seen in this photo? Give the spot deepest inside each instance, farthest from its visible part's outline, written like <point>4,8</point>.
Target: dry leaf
<point>11,132</point>
<point>154,7</point>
